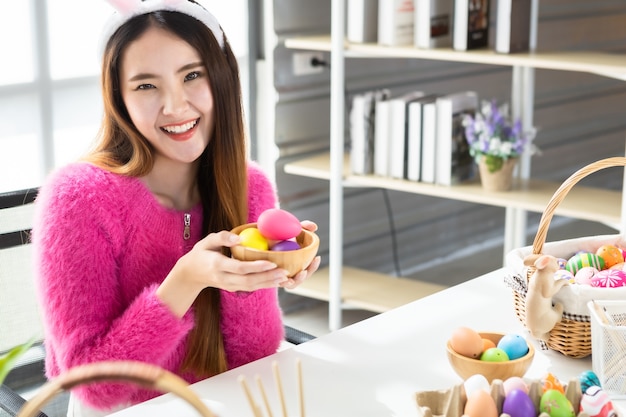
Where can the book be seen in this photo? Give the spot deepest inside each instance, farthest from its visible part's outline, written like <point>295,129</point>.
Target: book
<point>429,141</point>
<point>395,22</point>
<point>381,137</point>
<point>513,26</point>
<point>433,23</point>
<point>362,21</point>
<point>471,24</point>
<point>362,124</point>
<point>398,128</point>
<point>414,137</point>
<point>454,164</point>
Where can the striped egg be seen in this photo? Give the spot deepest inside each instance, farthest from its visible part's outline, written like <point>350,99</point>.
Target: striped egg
<point>581,260</point>
<point>609,278</point>
<point>596,403</point>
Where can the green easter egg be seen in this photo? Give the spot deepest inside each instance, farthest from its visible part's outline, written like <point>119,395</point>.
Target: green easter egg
<point>494,354</point>
<point>581,260</point>
<point>556,404</point>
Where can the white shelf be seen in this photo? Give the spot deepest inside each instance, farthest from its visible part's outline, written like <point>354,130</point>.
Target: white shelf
<point>531,195</point>
<point>367,290</point>
<point>600,63</point>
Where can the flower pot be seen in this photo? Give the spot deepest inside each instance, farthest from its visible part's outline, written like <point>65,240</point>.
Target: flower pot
<point>500,180</point>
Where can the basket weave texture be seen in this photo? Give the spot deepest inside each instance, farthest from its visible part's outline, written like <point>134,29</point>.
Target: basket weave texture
<point>140,373</point>
<point>572,335</point>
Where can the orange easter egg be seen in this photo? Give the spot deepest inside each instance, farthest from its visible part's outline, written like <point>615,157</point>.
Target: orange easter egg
<point>611,254</point>
<point>550,382</point>
<point>466,342</point>
<point>487,344</point>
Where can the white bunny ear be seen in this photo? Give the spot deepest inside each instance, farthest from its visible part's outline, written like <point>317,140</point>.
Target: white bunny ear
<point>125,7</point>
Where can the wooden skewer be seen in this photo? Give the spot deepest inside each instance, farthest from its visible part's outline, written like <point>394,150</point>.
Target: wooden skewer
<point>300,387</point>
<point>279,386</point>
<point>264,396</point>
<point>253,405</point>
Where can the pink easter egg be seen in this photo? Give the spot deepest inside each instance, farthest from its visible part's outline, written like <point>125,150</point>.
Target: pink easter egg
<point>584,275</point>
<point>609,278</point>
<point>596,403</point>
<point>277,224</point>
<point>514,382</point>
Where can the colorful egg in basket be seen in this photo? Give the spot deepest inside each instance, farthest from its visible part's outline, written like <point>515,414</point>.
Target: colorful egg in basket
<point>465,366</point>
<point>293,261</point>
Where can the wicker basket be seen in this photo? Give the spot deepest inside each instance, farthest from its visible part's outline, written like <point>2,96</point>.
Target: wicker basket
<point>572,335</point>
<point>140,373</point>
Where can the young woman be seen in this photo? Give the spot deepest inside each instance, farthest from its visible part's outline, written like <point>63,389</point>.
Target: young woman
<point>132,243</point>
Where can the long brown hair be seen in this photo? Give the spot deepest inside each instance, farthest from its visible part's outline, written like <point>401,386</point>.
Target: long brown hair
<point>222,174</point>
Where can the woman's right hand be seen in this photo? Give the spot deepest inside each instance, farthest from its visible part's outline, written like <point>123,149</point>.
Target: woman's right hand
<point>206,266</point>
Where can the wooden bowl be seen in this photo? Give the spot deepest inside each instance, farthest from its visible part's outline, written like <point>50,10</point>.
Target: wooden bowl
<point>292,261</point>
<point>466,367</point>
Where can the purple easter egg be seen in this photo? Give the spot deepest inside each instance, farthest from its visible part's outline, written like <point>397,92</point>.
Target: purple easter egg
<point>285,245</point>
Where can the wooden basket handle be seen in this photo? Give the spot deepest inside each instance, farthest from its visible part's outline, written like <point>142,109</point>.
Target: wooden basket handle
<point>140,373</point>
<point>560,194</point>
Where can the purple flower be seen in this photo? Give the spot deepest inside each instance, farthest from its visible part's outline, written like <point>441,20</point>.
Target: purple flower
<point>490,132</point>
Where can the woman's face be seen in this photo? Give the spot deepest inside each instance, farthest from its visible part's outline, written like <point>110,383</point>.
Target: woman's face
<point>166,90</point>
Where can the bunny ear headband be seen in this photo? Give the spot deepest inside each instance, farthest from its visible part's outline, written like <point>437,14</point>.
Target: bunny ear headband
<point>127,9</point>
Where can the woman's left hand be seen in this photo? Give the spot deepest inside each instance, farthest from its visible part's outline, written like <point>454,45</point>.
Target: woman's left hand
<point>299,278</point>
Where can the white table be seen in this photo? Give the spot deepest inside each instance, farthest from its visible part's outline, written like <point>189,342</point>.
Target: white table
<point>374,367</point>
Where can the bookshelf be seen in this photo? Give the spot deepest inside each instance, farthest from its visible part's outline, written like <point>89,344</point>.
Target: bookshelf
<point>528,195</point>
<point>603,64</point>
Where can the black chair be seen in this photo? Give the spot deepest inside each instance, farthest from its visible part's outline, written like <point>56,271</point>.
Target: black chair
<point>295,336</point>
<point>16,277</point>
<point>11,402</point>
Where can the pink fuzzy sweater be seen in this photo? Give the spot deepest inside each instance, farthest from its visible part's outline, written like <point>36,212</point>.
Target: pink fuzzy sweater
<point>103,245</point>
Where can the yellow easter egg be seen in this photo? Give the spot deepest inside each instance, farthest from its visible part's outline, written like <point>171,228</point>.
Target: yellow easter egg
<point>252,238</point>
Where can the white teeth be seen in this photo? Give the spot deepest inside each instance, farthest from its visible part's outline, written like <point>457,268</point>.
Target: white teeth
<point>180,128</point>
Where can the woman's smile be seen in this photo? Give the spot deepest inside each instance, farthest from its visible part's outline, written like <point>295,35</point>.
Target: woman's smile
<point>181,131</point>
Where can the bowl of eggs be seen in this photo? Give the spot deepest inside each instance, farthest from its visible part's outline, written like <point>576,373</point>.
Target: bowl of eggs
<point>493,355</point>
<point>277,236</point>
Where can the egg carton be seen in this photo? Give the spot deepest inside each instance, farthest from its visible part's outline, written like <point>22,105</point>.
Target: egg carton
<point>451,402</point>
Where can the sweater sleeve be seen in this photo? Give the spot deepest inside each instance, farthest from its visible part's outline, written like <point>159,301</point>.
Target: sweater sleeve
<point>78,237</point>
<point>252,322</point>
